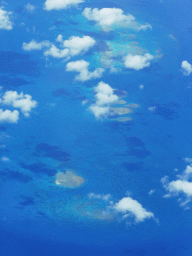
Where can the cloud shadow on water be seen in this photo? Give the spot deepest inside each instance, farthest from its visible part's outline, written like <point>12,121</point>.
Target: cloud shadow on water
<point>27,201</point>
<point>133,166</point>
<point>16,63</point>
<point>167,111</point>
<point>39,168</point>
<point>11,83</point>
<point>54,152</point>
<point>7,174</point>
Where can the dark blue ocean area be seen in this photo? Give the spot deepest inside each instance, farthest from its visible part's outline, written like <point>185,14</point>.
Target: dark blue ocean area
<point>95,128</point>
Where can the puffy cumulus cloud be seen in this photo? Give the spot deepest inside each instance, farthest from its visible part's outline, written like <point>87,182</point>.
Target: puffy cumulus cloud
<point>138,62</point>
<point>60,4</point>
<point>186,68</point>
<point>104,97</point>
<point>181,186</point>
<point>22,101</point>
<point>82,66</point>
<point>5,22</point>
<point>73,46</point>
<point>77,45</point>
<point>33,45</point>
<point>107,17</point>
<point>126,208</point>
<point>9,116</point>
<point>99,111</point>
<point>127,205</point>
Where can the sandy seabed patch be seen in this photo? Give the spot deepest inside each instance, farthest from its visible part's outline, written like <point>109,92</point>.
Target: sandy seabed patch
<point>69,179</point>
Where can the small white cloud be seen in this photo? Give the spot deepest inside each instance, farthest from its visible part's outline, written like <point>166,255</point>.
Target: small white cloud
<point>103,197</point>
<point>60,4</point>
<point>9,116</point>
<point>30,8</point>
<point>59,38</point>
<point>33,45</point>
<point>181,185</point>
<point>138,62</point>
<point>81,66</point>
<point>151,192</point>
<point>5,159</point>
<point>141,86</point>
<point>5,22</point>
<point>107,17</point>
<point>188,160</point>
<point>186,67</point>
<point>104,97</point>
<point>129,205</point>
<point>22,101</point>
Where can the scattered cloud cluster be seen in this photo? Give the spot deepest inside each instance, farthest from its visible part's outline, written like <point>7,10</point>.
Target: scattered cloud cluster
<point>181,186</point>
<point>21,101</point>
<point>73,46</point>
<point>127,207</point>
<point>108,17</point>
<point>60,4</point>
<point>5,22</point>
<point>186,68</point>
<point>138,62</point>
<point>33,45</point>
<point>104,97</point>
<point>81,66</point>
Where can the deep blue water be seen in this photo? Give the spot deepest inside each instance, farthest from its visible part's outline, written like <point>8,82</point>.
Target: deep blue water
<point>37,217</point>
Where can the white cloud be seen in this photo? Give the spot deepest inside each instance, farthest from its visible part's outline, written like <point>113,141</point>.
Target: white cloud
<point>187,68</point>
<point>73,46</point>
<point>129,205</point>
<point>104,197</point>
<point>77,45</point>
<point>107,17</point>
<point>188,160</point>
<point>82,66</point>
<point>104,97</point>
<point>181,185</point>
<point>22,101</point>
<point>5,22</point>
<point>30,8</point>
<point>33,45</point>
<point>60,4</point>
<point>9,116</point>
<point>5,159</point>
<point>138,62</point>
<point>99,111</point>
<point>56,53</point>
<point>59,38</point>
<point>151,191</point>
